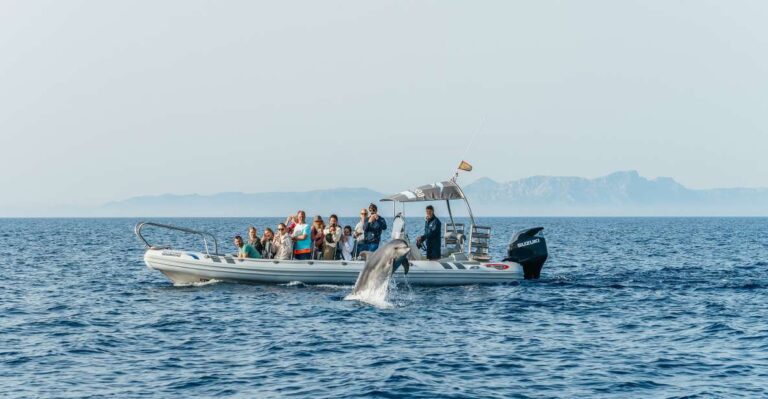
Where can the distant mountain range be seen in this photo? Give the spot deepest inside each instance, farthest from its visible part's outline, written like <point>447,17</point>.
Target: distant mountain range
<point>343,201</point>
<point>618,194</point>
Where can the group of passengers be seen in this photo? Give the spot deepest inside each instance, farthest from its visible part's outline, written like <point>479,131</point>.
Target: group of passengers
<point>296,239</point>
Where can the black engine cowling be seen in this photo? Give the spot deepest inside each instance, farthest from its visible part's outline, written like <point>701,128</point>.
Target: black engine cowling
<point>529,250</point>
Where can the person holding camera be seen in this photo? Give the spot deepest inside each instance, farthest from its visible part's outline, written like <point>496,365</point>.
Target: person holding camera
<point>254,240</point>
<point>373,226</point>
<point>290,223</point>
<point>348,244</point>
<point>332,238</point>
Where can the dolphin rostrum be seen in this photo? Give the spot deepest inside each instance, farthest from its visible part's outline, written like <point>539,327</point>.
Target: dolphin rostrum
<point>373,280</point>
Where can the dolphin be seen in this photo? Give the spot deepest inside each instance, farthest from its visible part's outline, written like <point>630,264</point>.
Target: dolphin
<point>373,280</point>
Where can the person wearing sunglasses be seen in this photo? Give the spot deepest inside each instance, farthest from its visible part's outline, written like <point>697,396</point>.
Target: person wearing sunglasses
<point>359,233</point>
<point>373,227</point>
<point>282,243</point>
<point>302,249</point>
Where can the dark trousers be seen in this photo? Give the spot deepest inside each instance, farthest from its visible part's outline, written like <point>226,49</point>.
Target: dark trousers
<point>372,246</point>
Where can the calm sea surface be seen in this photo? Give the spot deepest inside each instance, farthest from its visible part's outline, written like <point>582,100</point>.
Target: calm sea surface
<point>626,307</point>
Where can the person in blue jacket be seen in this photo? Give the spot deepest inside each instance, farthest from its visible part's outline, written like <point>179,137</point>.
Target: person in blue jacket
<point>432,229</point>
<point>372,229</point>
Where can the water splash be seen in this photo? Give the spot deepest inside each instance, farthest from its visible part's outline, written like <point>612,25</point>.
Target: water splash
<point>334,286</point>
<point>401,293</point>
<point>376,296</point>
<point>197,283</point>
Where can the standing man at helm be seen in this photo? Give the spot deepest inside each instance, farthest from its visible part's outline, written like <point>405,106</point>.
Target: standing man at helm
<point>431,237</point>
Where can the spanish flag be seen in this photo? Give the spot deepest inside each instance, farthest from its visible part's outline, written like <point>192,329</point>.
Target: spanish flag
<point>465,166</point>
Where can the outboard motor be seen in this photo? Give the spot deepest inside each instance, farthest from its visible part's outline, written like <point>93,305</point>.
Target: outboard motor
<point>529,250</point>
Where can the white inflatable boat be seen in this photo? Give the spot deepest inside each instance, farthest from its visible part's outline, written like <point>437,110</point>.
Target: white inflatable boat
<point>465,259</point>
<point>185,267</point>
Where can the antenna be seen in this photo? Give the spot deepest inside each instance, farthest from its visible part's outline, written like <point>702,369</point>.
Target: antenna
<point>474,137</point>
<point>469,146</point>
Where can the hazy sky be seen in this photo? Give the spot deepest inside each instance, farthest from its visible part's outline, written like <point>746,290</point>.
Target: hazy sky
<point>103,100</point>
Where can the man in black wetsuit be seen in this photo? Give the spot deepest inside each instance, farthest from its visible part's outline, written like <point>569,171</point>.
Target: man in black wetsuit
<point>432,228</point>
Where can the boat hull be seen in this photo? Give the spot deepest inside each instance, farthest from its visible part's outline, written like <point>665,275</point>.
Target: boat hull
<point>186,267</point>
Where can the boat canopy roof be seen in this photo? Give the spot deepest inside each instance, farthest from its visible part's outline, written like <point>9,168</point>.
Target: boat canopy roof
<point>441,191</point>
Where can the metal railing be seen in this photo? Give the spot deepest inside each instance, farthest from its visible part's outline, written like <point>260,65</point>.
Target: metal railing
<point>202,234</point>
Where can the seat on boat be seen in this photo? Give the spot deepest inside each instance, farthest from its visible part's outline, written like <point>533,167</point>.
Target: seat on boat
<point>453,235</point>
<point>453,239</point>
<point>454,242</point>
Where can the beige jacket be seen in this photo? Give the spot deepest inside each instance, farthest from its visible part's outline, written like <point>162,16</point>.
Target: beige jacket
<point>336,235</point>
<point>284,246</point>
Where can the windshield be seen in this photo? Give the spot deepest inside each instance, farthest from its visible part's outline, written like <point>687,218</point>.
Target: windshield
<point>398,227</point>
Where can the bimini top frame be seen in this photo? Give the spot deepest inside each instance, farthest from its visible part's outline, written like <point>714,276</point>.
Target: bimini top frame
<point>442,191</point>
<point>446,191</point>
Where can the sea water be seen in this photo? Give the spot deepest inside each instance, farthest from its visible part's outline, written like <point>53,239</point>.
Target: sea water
<point>626,307</point>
